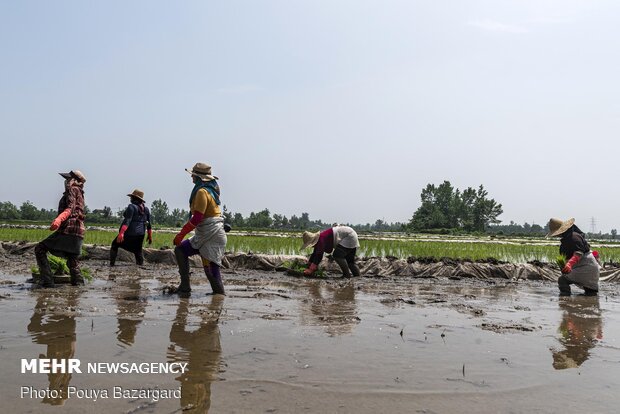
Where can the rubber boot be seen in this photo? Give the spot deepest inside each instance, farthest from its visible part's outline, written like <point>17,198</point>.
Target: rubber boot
<point>590,292</point>
<point>183,263</point>
<point>74,270</point>
<point>215,278</point>
<point>113,254</point>
<point>354,269</point>
<point>45,271</point>
<point>139,258</point>
<point>564,286</point>
<point>342,262</point>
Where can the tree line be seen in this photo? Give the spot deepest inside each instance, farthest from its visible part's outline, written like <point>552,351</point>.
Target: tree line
<point>162,215</point>
<point>444,209</point>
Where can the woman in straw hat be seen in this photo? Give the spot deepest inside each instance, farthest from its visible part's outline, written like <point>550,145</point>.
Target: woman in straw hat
<point>581,267</point>
<point>68,236</point>
<point>342,240</point>
<point>209,240</point>
<point>136,223</point>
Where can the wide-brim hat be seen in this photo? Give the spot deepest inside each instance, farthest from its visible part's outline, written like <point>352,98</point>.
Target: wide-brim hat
<point>202,171</point>
<point>77,174</point>
<point>139,194</point>
<point>558,226</point>
<point>310,239</point>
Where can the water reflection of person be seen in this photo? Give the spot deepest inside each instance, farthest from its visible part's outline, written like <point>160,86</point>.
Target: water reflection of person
<point>201,349</point>
<point>53,323</point>
<point>580,330</point>
<point>131,308</point>
<point>337,313</point>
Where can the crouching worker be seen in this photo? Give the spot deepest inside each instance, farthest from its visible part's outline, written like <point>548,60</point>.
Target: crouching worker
<point>581,268</point>
<point>342,240</point>
<point>68,236</point>
<point>209,240</point>
<point>136,222</point>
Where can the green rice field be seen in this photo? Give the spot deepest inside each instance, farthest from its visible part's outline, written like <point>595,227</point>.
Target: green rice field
<point>512,250</point>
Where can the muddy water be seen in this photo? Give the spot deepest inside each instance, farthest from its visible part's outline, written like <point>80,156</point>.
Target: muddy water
<point>279,344</point>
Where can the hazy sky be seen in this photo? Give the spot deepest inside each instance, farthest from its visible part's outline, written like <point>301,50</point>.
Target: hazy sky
<point>342,109</point>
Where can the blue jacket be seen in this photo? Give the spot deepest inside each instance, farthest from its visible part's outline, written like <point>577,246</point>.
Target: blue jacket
<point>137,219</point>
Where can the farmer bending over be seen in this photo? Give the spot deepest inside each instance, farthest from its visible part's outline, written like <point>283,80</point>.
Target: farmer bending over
<point>342,240</point>
<point>581,267</point>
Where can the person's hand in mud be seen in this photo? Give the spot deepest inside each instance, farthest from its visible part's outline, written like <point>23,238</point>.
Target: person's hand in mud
<point>310,270</point>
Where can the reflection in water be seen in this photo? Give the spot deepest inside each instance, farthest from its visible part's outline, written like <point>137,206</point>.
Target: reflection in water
<point>581,328</point>
<point>131,308</point>
<point>201,349</point>
<point>331,306</point>
<point>53,324</point>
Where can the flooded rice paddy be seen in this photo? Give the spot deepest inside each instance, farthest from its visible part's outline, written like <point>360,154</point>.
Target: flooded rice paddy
<point>280,344</point>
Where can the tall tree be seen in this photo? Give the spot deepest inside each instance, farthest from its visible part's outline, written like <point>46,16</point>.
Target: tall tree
<point>444,207</point>
<point>8,211</point>
<point>159,211</point>
<point>28,211</point>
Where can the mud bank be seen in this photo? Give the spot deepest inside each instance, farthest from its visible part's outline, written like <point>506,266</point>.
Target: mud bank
<point>373,266</point>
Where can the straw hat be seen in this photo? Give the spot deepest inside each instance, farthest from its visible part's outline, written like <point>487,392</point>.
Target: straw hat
<point>310,239</point>
<point>77,174</point>
<point>139,194</point>
<point>557,226</point>
<point>202,171</point>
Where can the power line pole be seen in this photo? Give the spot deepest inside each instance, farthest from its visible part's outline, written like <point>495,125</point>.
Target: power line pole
<point>593,225</point>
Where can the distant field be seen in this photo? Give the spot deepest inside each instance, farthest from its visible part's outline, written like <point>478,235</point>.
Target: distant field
<point>397,245</point>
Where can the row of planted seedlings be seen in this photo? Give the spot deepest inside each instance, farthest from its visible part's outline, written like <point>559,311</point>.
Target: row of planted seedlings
<point>477,250</point>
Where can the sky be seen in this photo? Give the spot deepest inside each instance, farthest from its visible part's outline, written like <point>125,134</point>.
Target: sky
<point>345,109</point>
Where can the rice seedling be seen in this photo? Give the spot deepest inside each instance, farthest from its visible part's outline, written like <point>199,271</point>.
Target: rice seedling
<point>59,267</point>
<point>397,245</point>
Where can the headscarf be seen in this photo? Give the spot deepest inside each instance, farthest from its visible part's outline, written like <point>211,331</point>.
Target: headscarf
<point>211,186</point>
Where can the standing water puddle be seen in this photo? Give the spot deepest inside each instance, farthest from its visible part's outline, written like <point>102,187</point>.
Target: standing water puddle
<point>281,344</point>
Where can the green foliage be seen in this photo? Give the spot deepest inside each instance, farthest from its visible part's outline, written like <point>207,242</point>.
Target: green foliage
<point>57,264</point>
<point>159,211</point>
<point>561,261</point>
<point>86,274</point>
<point>28,211</point>
<point>59,267</point>
<point>8,211</point>
<point>262,219</point>
<point>518,250</point>
<point>299,266</point>
<point>444,207</point>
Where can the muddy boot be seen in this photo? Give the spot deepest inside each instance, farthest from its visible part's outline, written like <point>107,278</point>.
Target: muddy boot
<point>113,254</point>
<point>139,258</point>
<point>215,278</point>
<point>45,272</point>
<point>183,263</point>
<point>77,279</point>
<point>342,262</point>
<point>74,270</point>
<point>354,269</point>
<point>564,286</point>
<point>590,292</point>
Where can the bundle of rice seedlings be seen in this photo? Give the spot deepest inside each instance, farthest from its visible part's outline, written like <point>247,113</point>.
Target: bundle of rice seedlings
<point>59,267</point>
<point>561,261</point>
